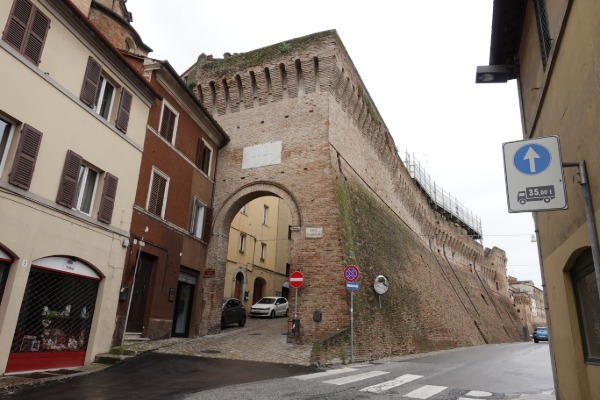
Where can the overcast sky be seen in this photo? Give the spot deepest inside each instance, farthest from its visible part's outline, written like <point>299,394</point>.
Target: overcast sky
<point>417,60</point>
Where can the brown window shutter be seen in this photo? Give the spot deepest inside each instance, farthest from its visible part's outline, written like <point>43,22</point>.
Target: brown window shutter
<point>200,153</point>
<point>68,184</point>
<point>206,159</point>
<point>167,125</point>
<point>90,82</point>
<point>157,194</point>
<point>107,203</point>
<point>25,157</point>
<point>207,229</point>
<point>18,22</point>
<point>124,108</point>
<point>37,37</point>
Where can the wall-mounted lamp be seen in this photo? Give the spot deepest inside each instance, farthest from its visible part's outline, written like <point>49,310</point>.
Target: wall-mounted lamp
<point>492,74</point>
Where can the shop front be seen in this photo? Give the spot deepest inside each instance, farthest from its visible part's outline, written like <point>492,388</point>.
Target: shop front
<point>56,314</point>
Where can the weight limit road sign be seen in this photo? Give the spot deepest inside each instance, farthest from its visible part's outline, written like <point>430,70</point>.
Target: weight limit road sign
<point>534,175</point>
<point>296,279</point>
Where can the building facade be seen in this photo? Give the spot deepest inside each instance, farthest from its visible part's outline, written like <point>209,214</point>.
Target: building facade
<point>258,258</point>
<point>71,145</point>
<point>549,47</point>
<point>163,276</point>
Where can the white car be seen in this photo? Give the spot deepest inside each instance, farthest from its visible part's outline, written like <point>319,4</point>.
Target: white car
<point>270,307</point>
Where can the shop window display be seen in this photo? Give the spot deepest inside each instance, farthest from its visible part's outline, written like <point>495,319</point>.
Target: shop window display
<point>56,314</point>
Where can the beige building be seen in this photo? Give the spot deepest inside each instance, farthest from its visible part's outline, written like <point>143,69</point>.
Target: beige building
<point>259,251</point>
<point>528,301</point>
<point>71,141</point>
<point>552,48</point>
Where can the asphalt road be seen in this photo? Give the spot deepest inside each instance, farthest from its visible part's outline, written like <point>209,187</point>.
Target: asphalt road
<point>153,376</point>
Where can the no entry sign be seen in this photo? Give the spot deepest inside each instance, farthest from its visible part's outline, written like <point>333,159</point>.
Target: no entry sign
<point>296,279</point>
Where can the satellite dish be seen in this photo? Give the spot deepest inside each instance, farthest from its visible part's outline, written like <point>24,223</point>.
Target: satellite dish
<point>381,284</point>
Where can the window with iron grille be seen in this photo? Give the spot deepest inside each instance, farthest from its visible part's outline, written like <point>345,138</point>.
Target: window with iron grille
<point>56,313</point>
<point>4,268</point>
<point>26,30</point>
<point>159,187</point>
<point>543,27</point>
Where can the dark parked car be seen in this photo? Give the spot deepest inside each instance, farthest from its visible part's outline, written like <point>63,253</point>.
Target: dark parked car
<point>233,313</point>
<point>540,333</point>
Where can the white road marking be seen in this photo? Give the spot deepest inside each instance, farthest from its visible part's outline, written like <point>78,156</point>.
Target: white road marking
<point>425,392</point>
<point>478,393</point>
<point>356,378</point>
<point>326,373</point>
<point>382,387</point>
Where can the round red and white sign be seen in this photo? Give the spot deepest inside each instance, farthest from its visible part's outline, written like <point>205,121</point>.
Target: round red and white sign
<point>296,279</point>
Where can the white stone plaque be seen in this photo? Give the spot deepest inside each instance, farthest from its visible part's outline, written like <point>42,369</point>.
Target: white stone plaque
<point>314,233</point>
<point>261,155</point>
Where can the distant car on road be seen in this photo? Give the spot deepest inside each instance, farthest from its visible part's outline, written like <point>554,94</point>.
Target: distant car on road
<point>270,307</point>
<point>540,333</point>
<point>233,312</point>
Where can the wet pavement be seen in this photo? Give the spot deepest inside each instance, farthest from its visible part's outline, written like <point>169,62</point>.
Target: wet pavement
<point>261,341</point>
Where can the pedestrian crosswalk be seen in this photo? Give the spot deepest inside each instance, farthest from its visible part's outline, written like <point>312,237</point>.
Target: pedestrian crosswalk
<point>412,390</point>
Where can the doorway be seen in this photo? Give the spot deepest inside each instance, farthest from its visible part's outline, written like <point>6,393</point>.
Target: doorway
<point>183,304</point>
<point>139,297</point>
<point>239,283</point>
<point>258,290</point>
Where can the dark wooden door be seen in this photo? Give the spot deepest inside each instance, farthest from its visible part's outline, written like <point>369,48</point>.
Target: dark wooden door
<point>139,297</point>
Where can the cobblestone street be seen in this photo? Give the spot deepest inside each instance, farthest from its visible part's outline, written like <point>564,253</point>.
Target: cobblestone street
<point>262,339</point>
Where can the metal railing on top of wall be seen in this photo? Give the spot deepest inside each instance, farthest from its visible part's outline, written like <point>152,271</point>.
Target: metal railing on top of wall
<point>442,200</point>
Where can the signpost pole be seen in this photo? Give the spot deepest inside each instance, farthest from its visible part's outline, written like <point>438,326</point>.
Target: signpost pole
<point>296,305</point>
<point>352,327</point>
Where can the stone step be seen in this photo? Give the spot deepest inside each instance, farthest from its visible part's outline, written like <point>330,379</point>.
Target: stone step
<point>109,358</point>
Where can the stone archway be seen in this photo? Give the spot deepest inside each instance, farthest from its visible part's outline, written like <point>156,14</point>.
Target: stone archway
<point>217,250</point>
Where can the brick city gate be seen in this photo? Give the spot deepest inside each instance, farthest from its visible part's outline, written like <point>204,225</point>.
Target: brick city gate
<point>304,128</point>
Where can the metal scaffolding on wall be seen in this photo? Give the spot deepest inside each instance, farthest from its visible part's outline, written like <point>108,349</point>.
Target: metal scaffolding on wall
<point>441,201</point>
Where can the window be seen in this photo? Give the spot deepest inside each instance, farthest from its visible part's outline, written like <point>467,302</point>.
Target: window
<point>104,98</point>
<point>168,122</point>
<point>79,184</point>
<point>197,218</point>
<point>265,215</point>
<point>159,186</point>
<point>6,129</point>
<point>585,288</point>
<point>543,29</point>
<point>98,92</point>
<point>242,246</point>
<point>26,30</point>
<point>23,165</point>
<point>203,156</point>
<point>263,251</point>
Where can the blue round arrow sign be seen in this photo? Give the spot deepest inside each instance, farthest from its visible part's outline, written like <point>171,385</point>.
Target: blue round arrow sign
<point>532,159</point>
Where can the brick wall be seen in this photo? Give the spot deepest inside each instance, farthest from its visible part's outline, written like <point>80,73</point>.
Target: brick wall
<point>340,170</point>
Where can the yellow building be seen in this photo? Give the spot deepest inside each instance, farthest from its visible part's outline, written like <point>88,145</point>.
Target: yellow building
<point>552,48</point>
<point>259,251</point>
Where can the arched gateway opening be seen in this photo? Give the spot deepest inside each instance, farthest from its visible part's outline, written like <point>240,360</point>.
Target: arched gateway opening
<point>240,284</point>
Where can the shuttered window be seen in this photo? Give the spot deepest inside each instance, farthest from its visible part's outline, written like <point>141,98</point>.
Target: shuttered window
<point>107,201</point>
<point>203,156</point>
<point>98,92</point>
<point>26,30</point>
<point>157,195</point>
<point>543,27</point>
<point>124,109</point>
<point>70,176</point>
<point>25,157</point>
<point>168,123</point>
<point>207,230</point>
